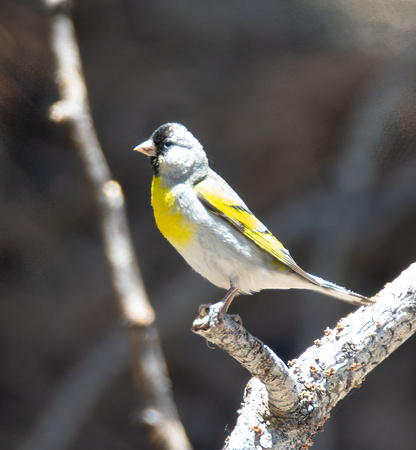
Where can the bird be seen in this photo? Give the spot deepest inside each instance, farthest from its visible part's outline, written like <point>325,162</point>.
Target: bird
<point>212,228</point>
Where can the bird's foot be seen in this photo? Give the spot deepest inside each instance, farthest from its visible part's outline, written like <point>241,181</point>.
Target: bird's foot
<point>236,318</point>
<point>203,309</point>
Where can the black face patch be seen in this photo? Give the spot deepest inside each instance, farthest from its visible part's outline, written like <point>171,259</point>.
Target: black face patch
<point>155,165</point>
<point>168,135</point>
<point>159,137</point>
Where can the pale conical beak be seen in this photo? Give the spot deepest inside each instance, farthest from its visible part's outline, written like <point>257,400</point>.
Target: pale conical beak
<point>148,148</point>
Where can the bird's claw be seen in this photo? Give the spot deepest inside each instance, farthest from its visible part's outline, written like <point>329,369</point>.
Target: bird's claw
<point>203,309</point>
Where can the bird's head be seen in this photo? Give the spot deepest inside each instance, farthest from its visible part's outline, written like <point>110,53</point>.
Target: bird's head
<point>175,154</point>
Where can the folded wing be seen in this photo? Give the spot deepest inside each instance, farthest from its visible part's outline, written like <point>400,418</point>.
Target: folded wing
<point>218,197</point>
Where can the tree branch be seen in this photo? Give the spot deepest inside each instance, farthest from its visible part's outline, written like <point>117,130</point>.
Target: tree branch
<point>319,378</point>
<point>149,368</point>
<point>252,354</point>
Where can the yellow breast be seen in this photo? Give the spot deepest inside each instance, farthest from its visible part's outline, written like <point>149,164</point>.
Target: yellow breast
<point>169,219</point>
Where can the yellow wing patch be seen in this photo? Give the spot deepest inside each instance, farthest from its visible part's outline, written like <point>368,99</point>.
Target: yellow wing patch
<point>220,199</point>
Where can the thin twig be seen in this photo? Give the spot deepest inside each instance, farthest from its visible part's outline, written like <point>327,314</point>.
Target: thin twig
<point>150,372</point>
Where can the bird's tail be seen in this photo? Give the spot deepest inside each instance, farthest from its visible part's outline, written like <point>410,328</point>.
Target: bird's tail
<point>338,292</point>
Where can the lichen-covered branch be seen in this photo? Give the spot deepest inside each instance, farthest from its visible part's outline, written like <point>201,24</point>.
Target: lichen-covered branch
<point>149,368</point>
<point>322,376</point>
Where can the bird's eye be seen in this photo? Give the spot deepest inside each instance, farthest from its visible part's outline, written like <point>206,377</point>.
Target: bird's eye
<point>168,144</point>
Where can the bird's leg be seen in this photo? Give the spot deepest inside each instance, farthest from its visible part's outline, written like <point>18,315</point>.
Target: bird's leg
<point>225,303</point>
<point>228,298</point>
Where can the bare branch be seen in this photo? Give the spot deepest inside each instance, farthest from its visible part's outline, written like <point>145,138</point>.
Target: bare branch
<point>322,376</point>
<point>252,354</point>
<point>150,372</point>
<point>73,108</point>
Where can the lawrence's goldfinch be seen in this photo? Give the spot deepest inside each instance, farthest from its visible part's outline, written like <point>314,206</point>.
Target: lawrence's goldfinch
<point>212,228</point>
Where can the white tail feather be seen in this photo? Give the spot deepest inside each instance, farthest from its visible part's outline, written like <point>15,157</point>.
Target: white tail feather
<point>338,292</point>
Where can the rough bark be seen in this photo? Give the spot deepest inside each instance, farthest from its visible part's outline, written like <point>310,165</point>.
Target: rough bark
<point>286,405</point>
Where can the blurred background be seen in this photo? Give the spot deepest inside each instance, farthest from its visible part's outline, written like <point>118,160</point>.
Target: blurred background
<point>306,108</point>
